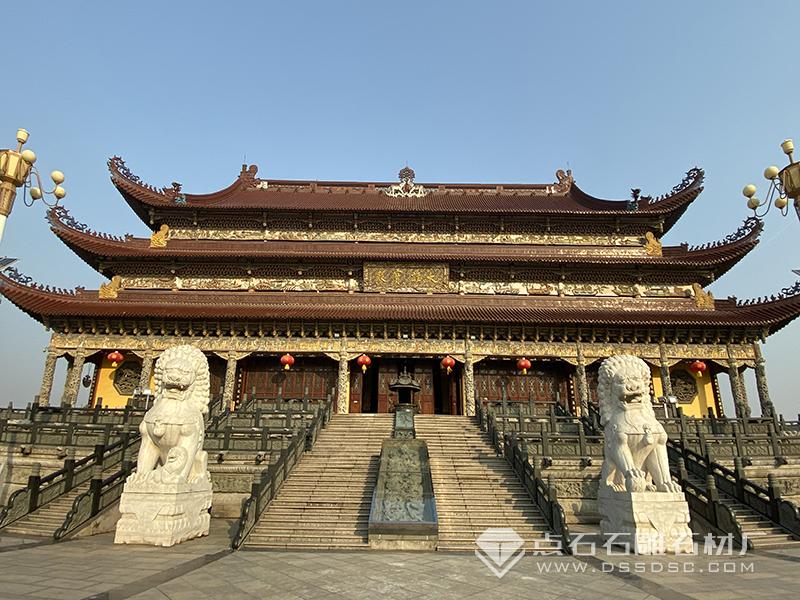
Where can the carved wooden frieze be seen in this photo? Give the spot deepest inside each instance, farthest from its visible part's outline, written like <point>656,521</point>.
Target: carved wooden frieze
<point>420,278</point>
<point>67,343</point>
<point>614,242</point>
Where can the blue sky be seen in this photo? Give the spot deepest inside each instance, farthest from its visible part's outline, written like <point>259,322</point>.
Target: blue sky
<point>627,94</point>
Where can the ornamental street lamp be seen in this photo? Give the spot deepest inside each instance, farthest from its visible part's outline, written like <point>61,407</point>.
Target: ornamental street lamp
<point>17,170</point>
<point>784,185</point>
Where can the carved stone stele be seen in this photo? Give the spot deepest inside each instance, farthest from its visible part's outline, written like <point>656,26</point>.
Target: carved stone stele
<point>167,499</point>
<point>639,502</point>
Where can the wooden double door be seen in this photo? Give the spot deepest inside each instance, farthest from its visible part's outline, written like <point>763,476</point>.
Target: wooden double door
<point>263,376</point>
<point>545,382</point>
<point>440,392</point>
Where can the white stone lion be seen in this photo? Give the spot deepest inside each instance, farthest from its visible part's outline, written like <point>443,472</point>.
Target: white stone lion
<point>635,442</point>
<point>176,420</point>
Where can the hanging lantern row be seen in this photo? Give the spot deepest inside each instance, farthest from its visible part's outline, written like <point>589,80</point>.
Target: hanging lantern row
<point>364,361</point>
<point>448,362</point>
<point>287,360</point>
<point>115,356</point>
<point>523,364</point>
<point>698,367</point>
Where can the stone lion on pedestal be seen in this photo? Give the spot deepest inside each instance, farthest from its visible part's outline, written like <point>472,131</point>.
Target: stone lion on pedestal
<point>176,419</point>
<point>635,442</point>
<point>166,501</point>
<point>637,498</point>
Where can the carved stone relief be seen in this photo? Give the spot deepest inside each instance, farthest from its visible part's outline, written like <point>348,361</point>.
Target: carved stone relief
<point>406,277</point>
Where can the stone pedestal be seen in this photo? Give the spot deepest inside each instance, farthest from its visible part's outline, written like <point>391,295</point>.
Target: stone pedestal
<point>648,522</point>
<point>163,514</point>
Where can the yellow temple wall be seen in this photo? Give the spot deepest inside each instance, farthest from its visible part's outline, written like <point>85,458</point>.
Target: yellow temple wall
<point>703,400</point>
<point>104,386</point>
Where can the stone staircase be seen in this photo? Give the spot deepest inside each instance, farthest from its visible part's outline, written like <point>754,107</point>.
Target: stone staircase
<point>44,521</point>
<point>762,532</point>
<point>325,502</point>
<point>475,489</point>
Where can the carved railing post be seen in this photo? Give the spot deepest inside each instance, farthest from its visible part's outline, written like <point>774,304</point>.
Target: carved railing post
<point>666,380</point>
<point>147,370</point>
<point>34,481</point>
<point>580,380</point>
<point>767,408</point>
<point>343,385</point>
<point>469,380</point>
<point>47,377</point>
<point>229,387</point>
<point>774,489</point>
<point>737,387</point>
<point>73,379</point>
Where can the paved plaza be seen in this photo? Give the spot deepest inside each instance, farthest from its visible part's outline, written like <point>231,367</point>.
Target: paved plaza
<point>96,568</point>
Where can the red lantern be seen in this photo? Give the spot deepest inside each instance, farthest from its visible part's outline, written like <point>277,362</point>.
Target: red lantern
<point>364,361</point>
<point>448,362</point>
<point>698,367</point>
<point>287,360</point>
<point>523,364</point>
<point>115,357</point>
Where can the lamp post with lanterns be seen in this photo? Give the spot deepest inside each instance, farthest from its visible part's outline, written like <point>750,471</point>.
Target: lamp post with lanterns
<point>17,170</point>
<point>784,186</point>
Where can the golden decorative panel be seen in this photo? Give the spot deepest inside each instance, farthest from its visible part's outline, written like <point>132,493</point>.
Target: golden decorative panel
<point>652,244</point>
<point>109,291</point>
<point>702,298</point>
<point>160,237</point>
<point>421,278</point>
<point>622,244</point>
<point>87,343</point>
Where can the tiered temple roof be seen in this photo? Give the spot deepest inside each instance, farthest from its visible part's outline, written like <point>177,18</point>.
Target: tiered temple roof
<point>555,234</point>
<point>699,263</point>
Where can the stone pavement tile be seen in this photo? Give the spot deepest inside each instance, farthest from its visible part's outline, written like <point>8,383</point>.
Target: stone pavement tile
<point>151,594</point>
<point>59,593</point>
<point>17,590</point>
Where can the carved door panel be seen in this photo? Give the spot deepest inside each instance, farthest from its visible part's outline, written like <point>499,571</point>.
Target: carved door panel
<point>425,398</point>
<point>387,373</point>
<point>356,391</point>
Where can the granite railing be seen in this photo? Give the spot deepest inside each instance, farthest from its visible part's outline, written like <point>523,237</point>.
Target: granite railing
<point>102,492</point>
<point>41,490</point>
<point>27,434</point>
<point>67,414</point>
<point>269,483</point>
<point>265,442</point>
<point>766,501</point>
<point>252,401</point>
<point>704,503</point>
<point>543,494</point>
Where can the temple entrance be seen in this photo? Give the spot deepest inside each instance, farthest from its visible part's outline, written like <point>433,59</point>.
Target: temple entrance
<point>375,391</point>
<point>547,382</point>
<point>262,376</point>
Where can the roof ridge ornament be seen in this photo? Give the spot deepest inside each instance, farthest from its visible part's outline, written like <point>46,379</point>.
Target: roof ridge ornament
<point>62,215</point>
<point>751,225</point>
<point>406,188</point>
<point>693,178</point>
<point>12,274</point>
<point>791,291</point>
<point>565,181</point>
<point>248,179</point>
<point>118,169</point>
